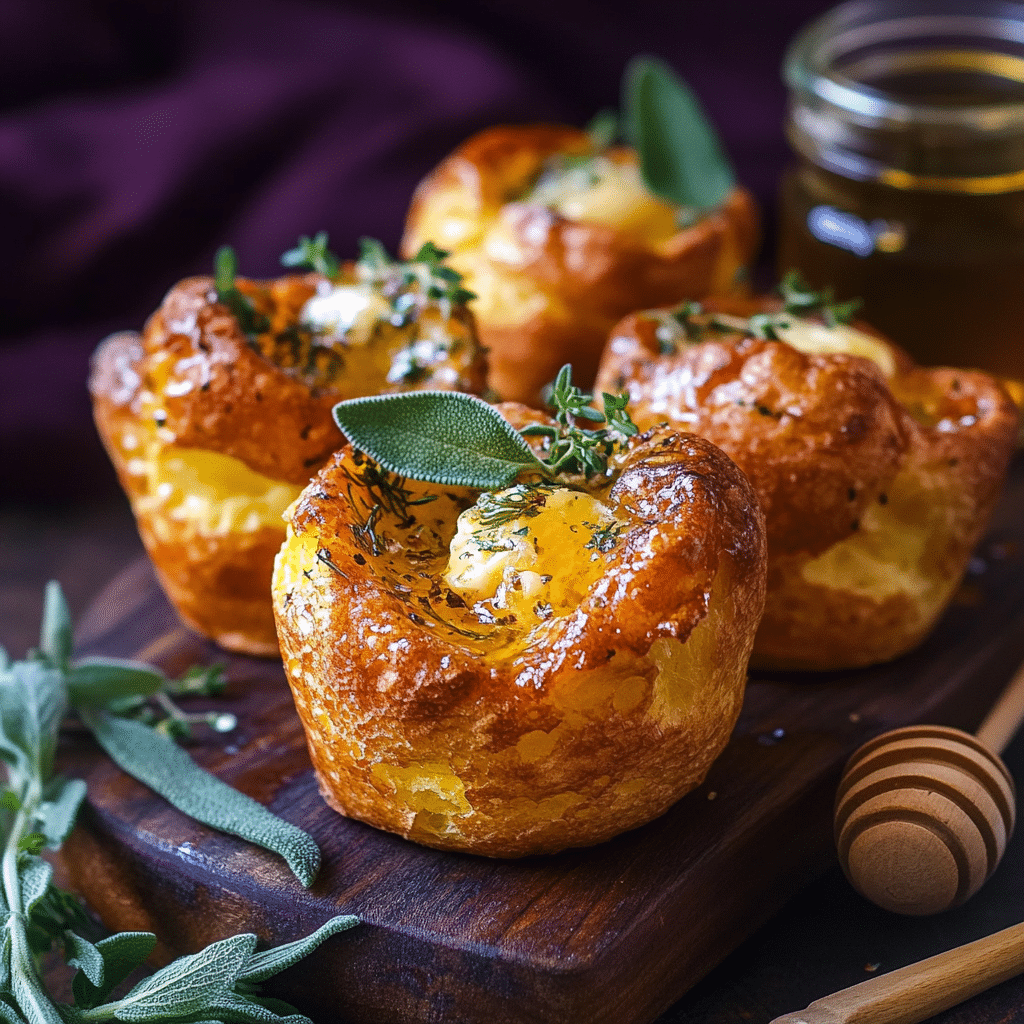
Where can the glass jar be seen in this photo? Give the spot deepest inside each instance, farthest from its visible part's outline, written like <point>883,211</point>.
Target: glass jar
<point>907,117</point>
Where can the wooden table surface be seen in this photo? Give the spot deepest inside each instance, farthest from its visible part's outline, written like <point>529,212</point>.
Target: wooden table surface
<point>826,938</point>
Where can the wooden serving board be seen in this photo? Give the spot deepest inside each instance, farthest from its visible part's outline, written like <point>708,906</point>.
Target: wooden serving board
<point>615,933</point>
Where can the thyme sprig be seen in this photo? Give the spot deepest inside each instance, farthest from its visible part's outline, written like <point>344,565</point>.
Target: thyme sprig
<point>37,812</point>
<point>689,322</point>
<point>408,283</point>
<point>801,300</point>
<point>573,448</point>
<point>313,253</point>
<point>225,268</point>
<point>523,501</point>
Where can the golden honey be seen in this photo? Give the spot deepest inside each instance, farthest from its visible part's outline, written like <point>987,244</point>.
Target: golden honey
<point>907,119</point>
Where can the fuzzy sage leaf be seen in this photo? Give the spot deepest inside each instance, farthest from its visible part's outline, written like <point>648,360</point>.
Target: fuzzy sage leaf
<point>119,955</point>
<point>681,157</point>
<point>37,809</point>
<point>268,963</point>
<point>442,437</point>
<point>161,764</point>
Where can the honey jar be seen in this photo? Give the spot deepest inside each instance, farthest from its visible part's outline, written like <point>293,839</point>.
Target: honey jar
<point>907,120</point>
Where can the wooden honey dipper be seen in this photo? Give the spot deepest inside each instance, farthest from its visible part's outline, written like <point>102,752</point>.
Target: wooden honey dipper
<point>923,814</point>
<point>918,991</point>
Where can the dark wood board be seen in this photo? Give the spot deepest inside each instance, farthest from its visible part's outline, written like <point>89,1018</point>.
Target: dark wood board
<point>614,933</point>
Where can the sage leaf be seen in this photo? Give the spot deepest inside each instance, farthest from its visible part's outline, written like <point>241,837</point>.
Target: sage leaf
<point>278,1006</point>
<point>33,701</point>
<point>185,987</point>
<point>35,880</point>
<point>57,814</point>
<point>57,912</point>
<point>85,956</point>
<point>268,963</point>
<point>98,681</point>
<point>121,954</point>
<point>681,157</point>
<point>161,764</point>
<point>55,632</point>
<point>441,437</point>
<point>9,1015</point>
<point>238,1009</point>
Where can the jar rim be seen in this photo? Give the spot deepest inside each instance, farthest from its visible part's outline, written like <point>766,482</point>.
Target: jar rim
<point>810,64</point>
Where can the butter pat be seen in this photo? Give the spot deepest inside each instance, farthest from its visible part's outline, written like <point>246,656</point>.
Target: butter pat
<point>603,191</point>
<point>345,313</point>
<point>816,339</point>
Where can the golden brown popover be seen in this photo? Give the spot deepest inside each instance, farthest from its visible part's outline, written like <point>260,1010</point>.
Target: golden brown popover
<point>559,239</point>
<point>215,425</point>
<point>520,671</point>
<point>876,476</point>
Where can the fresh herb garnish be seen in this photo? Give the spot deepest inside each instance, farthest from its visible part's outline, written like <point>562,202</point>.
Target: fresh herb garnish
<point>37,811</point>
<point>424,278</point>
<point>603,538</point>
<point>572,448</point>
<point>801,300</point>
<point>225,266</point>
<point>690,323</point>
<point>442,437</point>
<point>681,157</point>
<point>455,439</point>
<point>767,325</point>
<point>386,492</point>
<point>603,129</point>
<point>313,253</point>
<point>524,501</point>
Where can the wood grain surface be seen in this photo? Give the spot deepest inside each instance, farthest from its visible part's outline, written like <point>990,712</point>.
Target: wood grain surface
<point>614,933</point>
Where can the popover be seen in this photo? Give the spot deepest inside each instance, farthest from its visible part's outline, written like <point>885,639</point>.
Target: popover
<point>519,671</point>
<point>877,476</point>
<point>559,238</point>
<point>219,414</point>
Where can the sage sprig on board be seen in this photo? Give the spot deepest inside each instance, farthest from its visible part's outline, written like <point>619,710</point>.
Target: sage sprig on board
<point>102,689</point>
<point>454,439</point>
<point>37,811</point>
<point>681,156</point>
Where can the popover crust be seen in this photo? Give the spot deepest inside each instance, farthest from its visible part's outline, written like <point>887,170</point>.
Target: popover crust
<point>877,477</point>
<point>550,286</point>
<point>507,737</point>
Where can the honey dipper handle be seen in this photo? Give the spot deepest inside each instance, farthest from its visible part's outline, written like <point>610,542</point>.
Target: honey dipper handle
<point>919,991</point>
<point>1005,718</point>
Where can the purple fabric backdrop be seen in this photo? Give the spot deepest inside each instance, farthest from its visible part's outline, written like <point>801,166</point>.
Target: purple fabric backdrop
<point>136,136</point>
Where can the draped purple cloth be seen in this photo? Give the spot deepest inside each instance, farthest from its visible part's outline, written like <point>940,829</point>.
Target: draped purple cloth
<point>137,136</point>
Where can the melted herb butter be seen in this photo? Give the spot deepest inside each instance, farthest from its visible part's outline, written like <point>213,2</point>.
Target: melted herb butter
<point>600,190</point>
<point>529,553</point>
<point>344,314</point>
<point>816,339</point>
<point>403,341</point>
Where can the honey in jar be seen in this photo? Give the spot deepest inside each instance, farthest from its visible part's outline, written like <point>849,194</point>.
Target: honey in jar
<point>907,119</point>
